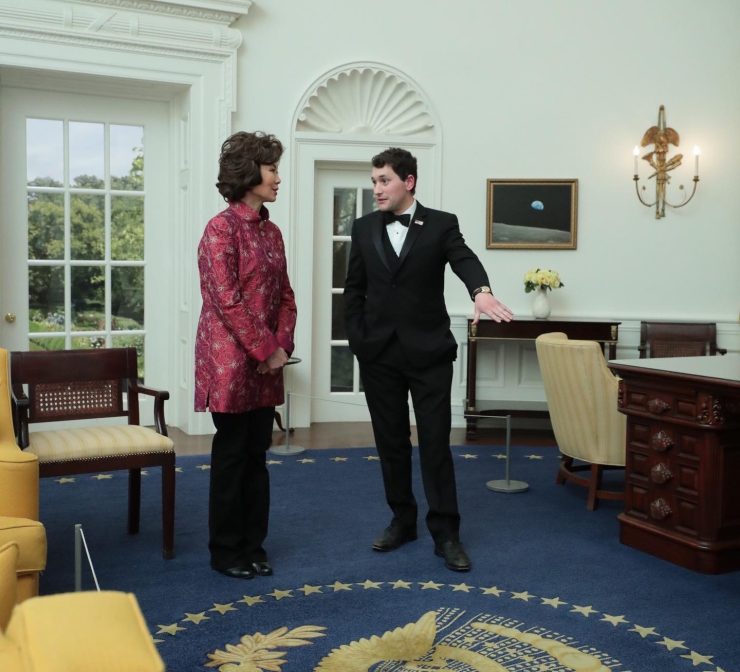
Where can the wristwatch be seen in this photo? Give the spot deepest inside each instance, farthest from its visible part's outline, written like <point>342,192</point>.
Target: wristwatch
<point>481,290</point>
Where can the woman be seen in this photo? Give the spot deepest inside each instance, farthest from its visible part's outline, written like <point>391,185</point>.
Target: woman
<point>245,335</point>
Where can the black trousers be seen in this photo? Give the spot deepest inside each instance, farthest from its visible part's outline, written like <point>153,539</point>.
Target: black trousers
<point>239,498</point>
<point>387,381</point>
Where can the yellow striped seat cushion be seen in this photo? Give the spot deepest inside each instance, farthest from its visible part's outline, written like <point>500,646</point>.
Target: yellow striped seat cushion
<point>87,443</point>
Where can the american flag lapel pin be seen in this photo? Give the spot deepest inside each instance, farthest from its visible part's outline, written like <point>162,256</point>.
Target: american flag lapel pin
<point>419,222</point>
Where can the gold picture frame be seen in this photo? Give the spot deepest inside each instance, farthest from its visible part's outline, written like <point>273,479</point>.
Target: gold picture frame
<point>532,214</point>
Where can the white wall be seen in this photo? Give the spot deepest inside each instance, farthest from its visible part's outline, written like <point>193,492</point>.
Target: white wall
<point>543,89</point>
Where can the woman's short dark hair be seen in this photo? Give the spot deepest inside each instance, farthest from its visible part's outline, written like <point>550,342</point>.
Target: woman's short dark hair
<point>242,154</point>
<point>402,161</point>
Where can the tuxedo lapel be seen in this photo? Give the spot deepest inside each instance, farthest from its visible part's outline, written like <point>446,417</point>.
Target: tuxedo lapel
<point>415,229</point>
<point>378,231</point>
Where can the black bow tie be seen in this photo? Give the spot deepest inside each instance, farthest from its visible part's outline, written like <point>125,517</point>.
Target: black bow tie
<point>389,218</point>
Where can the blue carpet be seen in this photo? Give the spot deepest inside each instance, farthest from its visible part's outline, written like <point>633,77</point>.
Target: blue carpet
<point>551,587</point>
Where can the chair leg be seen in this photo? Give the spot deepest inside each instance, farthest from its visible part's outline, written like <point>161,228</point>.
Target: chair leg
<point>134,500</point>
<point>594,485</point>
<point>168,509</point>
<point>279,421</point>
<point>566,463</point>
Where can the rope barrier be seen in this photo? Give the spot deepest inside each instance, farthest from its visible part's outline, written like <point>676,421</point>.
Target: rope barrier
<point>81,541</point>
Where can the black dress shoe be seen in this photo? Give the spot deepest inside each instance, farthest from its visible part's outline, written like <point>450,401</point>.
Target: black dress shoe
<point>237,572</point>
<point>454,555</point>
<point>393,537</point>
<point>262,567</point>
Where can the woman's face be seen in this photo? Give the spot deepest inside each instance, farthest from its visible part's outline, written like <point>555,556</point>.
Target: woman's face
<point>267,190</point>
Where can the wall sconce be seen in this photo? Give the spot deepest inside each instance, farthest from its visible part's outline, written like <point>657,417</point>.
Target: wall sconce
<point>660,137</point>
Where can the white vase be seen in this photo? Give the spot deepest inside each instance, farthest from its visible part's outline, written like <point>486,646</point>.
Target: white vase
<point>541,304</point>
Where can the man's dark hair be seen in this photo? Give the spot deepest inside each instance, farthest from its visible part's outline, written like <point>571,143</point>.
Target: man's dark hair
<point>402,162</point>
<point>242,154</point>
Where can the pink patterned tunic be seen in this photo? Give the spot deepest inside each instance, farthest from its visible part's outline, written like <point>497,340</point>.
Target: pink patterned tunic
<point>248,311</point>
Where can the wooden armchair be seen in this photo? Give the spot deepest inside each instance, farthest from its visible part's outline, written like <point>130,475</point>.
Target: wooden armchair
<point>85,386</point>
<point>678,339</point>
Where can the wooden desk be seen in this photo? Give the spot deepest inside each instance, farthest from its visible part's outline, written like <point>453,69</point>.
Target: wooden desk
<point>682,500</point>
<point>605,332</point>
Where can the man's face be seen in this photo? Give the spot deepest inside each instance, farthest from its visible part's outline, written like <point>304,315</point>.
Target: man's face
<point>392,194</point>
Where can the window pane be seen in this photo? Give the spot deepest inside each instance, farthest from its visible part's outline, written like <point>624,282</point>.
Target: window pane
<point>88,342</point>
<point>45,226</point>
<point>127,157</point>
<point>46,343</point>
<point>127,227</point>
<point>342,368</point>
<point>86,155</point>
<point>46,298</point>
<point>133,341</point>
<point>338,330</point>
<point>88,226</point>
<point>368,201</point>
<point>345,207</point>
<point>127,297</point>
<point>45,152</point>
<point>340,264</point>
<point>88,298</point>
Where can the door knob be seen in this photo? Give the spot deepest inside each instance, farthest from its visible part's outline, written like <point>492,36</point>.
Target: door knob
<point>10,318</point>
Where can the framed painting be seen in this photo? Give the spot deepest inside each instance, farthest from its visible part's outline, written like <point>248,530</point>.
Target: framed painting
<point>532,214</point>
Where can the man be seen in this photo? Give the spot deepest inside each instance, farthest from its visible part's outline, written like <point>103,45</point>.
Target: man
<point>399,330</point>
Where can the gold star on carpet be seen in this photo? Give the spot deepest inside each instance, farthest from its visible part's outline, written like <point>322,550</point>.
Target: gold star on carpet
<point>367,584</point>
<point>280,594</point>
<point>372,458</point>
<point>553,602</point>
<point>533,457</point>
<point>671,644</point>
<point>460,587</point>
<point>222,608</point>
<point>614,620</point>
<point>307,460</point>
<point>203,467</point>
<point>196,618</point>
<point>157,641</point>
<point>251,600</point>
<point>493,590</point>
<point>499,456</point>
<point>642,631</point>
<point>178,470</point>
<point>400,583</point>
<point>469,456</point>
<point>274,461</point>
<point>338,459</point>
<point>102,477</point>
<point>584,611</point>
<point>65,479</point>
<point>697,658</point>
<point>430,585</point>
<point>338,585</point>
<point>171,629</point>
<point>524,596</point>
<point>308,590</point>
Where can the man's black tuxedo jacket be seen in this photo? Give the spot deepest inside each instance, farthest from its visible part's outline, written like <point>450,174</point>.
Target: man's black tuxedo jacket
<point>386,294</point>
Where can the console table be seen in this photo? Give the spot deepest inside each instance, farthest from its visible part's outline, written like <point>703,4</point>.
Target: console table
<point>682,500</point>
<point>605,332</point>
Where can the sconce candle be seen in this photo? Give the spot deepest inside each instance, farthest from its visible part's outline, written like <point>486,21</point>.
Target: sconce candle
<point>635,153</point>
<point>697,151</point>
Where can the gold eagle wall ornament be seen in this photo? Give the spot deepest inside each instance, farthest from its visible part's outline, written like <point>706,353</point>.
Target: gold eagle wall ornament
<point>661,137</point>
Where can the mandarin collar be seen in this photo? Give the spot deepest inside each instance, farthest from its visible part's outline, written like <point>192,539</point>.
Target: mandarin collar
<point>249,213</point>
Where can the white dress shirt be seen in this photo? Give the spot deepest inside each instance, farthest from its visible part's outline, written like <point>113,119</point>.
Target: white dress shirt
<point>397,231</point>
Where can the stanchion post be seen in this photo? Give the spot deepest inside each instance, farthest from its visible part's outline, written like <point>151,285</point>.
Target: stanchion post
<point>507,485</point>
<point>287,448</point>
<point>78,558</point>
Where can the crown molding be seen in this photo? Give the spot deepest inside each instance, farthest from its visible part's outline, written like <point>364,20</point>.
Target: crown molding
<point>196,28</point>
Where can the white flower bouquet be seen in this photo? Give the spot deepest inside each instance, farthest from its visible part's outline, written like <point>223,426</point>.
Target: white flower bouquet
<point>541,278</point>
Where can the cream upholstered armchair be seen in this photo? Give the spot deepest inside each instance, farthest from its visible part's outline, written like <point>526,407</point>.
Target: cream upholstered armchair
<point>84,632</point>
<point>19,498</point>
<point>581,395</point>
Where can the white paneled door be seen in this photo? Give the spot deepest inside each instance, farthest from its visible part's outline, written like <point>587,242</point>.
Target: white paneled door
<point>84,259</point>
<point>343,193</point>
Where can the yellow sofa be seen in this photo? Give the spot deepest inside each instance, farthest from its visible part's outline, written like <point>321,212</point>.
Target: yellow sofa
<point>19,497</point>
<point>84,632</point>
